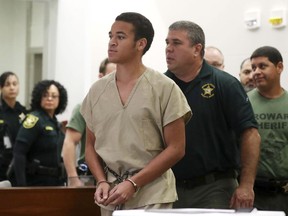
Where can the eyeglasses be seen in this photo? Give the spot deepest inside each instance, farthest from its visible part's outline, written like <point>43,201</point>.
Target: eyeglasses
<point>47,96</point>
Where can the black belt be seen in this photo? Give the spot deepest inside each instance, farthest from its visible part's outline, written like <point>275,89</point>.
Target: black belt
<point>206,179</point>
<point>34,168</point>
<point>271,185</point>
<point>42,170</point>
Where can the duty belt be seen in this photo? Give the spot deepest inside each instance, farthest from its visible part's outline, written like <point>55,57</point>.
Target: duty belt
<point>206,179</point>
<point>34,168</point>
<point>271,185</point>
<point>42,170</point>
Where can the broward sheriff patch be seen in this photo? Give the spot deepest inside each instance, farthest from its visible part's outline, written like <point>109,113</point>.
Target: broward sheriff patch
<point>30,121</point>
<point>208,90</point>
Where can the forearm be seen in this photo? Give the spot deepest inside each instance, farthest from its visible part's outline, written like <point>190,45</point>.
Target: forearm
<point>94,163</point>
<point>159,165</point>
<point>93,160</point>
<point>250,148</point>
<point>72,139</point>
<point>69,157</point>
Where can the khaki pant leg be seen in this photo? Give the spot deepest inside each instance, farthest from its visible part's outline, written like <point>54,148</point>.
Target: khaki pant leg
<point>106,212</point>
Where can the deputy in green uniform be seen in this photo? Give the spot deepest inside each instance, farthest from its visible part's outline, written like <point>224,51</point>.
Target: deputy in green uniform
<point>37,151</point>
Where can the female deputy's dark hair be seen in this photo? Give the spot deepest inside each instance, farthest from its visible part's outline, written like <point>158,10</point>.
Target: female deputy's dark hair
<point>41,88</point>
<point>142,26</point>
<point>4,77</point>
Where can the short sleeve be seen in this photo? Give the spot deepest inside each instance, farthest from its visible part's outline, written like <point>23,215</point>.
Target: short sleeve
<point>77,121</point>
<point>177,106</point>
<point>86,111</point>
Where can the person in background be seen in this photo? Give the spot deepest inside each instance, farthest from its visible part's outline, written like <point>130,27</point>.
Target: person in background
<point>222,137</point>
<point>214,57</point>
<point>106,67</point>
<point>38,146</point>
<point>75,134</point>
<point>11,115</point>
<point>134,132</point>
<point>245,75</point>
<point>270,102</point>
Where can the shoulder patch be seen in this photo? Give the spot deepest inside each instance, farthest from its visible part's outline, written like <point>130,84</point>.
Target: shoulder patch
<point>30,121</point>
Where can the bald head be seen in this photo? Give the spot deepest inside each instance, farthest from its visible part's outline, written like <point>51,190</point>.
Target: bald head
<point>214,57</point>
<point>245,75</point>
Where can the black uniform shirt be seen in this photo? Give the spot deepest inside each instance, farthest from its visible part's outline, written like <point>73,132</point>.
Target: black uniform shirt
<point>10,120</point>
<point>39,138</point>
<point>221,111</point>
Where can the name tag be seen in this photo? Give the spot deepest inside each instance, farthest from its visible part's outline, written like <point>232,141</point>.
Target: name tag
<point>7,142</point>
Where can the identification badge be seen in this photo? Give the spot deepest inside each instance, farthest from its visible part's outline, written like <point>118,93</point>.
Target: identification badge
<point>7,142</point>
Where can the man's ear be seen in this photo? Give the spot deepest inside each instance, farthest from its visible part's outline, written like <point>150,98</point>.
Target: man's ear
<point>141,43</point>
<point>198,49</point>
<point>280,67</point>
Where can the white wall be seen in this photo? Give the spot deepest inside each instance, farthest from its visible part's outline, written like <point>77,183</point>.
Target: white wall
<point>83,28</point>
<point>18,36</point>
<point>76,34</point>
<point>13,40</point>
<point>37,23</point>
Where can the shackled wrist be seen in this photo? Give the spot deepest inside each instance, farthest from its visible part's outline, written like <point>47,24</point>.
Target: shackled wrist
<point>102,181</point>
<point>136,188</point>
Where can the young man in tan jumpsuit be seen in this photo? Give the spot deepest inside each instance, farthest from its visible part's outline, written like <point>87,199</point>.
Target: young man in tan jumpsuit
<point>135,121</point>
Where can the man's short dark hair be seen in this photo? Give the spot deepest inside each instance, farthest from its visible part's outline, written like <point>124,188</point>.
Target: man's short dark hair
<point>271,53</point>
<point>142,26</point>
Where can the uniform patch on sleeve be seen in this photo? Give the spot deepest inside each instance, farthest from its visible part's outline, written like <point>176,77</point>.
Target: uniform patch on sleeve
<point>30,121</point>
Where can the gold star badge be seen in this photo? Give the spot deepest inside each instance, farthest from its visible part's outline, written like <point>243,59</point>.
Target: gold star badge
<point>208,90</point>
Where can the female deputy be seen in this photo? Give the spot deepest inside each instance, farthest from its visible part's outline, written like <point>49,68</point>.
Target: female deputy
<point>37,151</point>
<point>11,115</point>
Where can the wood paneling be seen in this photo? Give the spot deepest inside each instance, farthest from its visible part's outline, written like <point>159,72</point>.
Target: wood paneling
<point>48,201</point>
